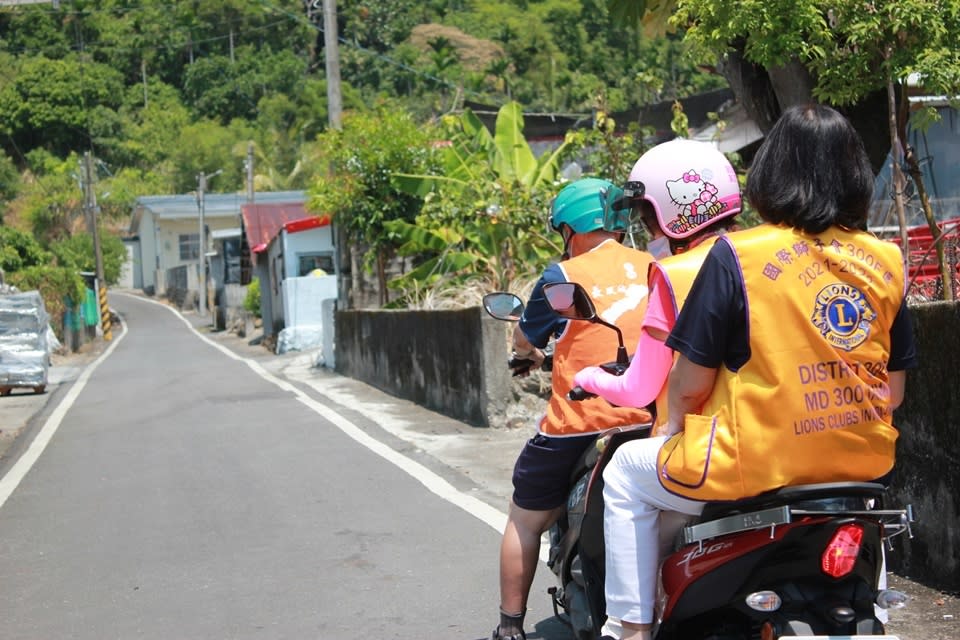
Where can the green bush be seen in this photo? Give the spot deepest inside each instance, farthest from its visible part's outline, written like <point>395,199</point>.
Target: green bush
<point>77,252</point>
<point>56,285</point>
<point>19,249</point>
<point>252,302</point>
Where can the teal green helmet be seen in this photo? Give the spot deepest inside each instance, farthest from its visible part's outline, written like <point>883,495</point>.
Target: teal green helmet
<point>580,205</point>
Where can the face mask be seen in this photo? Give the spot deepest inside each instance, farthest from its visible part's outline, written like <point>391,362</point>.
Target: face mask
<point>660,248</point>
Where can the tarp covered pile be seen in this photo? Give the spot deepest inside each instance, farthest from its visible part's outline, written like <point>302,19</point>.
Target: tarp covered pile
<point>24,348</point>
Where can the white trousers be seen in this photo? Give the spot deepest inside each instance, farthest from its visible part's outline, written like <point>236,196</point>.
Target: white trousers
<point>640,522</point>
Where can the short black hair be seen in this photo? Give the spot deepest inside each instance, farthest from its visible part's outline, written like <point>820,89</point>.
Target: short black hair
<point>811,172</point>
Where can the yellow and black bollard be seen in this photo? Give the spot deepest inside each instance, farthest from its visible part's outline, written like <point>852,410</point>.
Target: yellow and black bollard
<point>105,314</point>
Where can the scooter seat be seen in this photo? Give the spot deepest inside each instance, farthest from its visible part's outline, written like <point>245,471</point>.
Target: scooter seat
<point>826,494</point>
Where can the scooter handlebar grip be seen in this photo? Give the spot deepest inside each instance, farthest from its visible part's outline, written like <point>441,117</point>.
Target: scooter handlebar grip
<point>579,393</point>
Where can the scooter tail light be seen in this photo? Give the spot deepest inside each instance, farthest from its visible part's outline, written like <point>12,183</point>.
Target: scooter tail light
<point>841,553</point>
<point>891,599</point>
<point>763,601</point>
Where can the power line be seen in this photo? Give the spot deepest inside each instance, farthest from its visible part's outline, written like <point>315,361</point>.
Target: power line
<point>156,47</point>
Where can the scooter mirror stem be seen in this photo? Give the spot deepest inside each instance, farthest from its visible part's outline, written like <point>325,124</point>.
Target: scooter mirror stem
<point>622,357</point>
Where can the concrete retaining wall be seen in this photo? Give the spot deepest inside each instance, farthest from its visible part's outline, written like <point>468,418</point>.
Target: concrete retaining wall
<point>928,455</point>
<point>452,362</point>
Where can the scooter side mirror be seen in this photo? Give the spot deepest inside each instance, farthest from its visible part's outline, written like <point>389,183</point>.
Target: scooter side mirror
<point>570,301</point>
<point>503,306</point>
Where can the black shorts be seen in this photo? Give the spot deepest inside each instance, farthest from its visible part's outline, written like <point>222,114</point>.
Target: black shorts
<point>541,475</point>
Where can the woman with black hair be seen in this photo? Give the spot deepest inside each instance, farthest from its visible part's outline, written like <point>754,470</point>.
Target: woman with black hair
<point>793,345</point>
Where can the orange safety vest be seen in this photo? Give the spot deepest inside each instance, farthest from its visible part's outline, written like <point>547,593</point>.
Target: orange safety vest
<point>812,403</point>
<point>615,278</point>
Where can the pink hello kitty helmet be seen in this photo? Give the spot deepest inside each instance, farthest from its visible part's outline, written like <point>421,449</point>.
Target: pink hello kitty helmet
<point>690,184</point>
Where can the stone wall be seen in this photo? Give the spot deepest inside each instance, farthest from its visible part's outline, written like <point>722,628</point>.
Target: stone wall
<point>928,465</point>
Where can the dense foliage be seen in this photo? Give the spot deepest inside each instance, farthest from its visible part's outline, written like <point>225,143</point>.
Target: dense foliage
<point>159,92</point>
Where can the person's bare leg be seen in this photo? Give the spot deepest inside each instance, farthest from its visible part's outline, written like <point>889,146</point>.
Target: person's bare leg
<point>519,555</point>
<point>635,631</point>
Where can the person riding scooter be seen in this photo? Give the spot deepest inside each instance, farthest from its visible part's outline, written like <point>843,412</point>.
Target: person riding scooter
<point>595,257</point>
<point>808,290</point>
<point>686,194</point>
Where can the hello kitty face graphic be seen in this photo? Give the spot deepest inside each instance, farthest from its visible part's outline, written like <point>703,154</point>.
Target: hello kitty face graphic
<point>696,200</point>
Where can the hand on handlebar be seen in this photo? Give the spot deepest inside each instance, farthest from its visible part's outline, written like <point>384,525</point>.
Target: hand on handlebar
<point>523,365</point>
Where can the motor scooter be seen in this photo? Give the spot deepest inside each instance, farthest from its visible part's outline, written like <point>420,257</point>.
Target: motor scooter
<point>801,562</point>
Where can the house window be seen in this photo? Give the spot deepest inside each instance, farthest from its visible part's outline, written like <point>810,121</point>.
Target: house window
<point>308,262</point>
<point>231,258</point>
<point>189,246</point>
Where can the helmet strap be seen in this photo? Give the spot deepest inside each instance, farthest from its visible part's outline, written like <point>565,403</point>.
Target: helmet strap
<point>567,238</point>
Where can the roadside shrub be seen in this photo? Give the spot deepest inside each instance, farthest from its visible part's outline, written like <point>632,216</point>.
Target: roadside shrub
<point>252,302</point>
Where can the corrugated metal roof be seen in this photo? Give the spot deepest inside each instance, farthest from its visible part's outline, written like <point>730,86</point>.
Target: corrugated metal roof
<point>214,205</point>
<point>263,221</point>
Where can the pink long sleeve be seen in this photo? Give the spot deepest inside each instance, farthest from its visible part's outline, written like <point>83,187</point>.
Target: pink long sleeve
<point>652,360</point>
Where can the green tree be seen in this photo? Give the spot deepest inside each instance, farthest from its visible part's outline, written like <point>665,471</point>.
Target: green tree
<point>117,192</point>
<point>52,202</point>
<point>485,208</point>
<point>19,250</point>
<point>359,189</point>
<point>77,253</point>
<point>60,102</point>
<point>608,152</point>
<point>208,146</point>
<point>844,54</point>
<point>153,119</point>
<point>9,179</point>
<point>379,25</point>
<point>251,302</point>
<point>285,133</point>
<point>217,87</point>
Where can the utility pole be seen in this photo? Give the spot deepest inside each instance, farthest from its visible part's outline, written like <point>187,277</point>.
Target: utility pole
<point>249,167</point>
<point>201,203</point>
<point>331,54</point>
<point>90,204</point>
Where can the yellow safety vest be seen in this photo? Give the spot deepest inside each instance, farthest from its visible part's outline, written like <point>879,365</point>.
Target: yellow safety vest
<point>615,278</point>
<point>812,403</point>
<point>678,273</point>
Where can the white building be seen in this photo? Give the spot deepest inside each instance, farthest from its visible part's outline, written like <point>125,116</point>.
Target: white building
<point>166,233</point>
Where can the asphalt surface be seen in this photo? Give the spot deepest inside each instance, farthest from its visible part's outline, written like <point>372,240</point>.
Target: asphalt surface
<point>198,492</point>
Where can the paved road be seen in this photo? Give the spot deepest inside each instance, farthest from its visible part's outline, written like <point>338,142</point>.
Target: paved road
<point>191,486</point>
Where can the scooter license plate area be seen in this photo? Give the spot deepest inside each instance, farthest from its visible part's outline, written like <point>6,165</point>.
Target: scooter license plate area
<point>737,523</point>
<point>871,637</point>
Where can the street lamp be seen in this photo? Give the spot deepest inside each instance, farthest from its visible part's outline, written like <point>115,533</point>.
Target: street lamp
<point>202,257</point>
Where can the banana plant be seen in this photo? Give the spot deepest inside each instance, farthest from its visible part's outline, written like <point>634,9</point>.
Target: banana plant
<point>472,157</point>
<point>484,210</point>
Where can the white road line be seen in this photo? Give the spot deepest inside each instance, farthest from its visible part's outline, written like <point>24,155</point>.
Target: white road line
<point>12,479</point>
<point>495,518</point>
